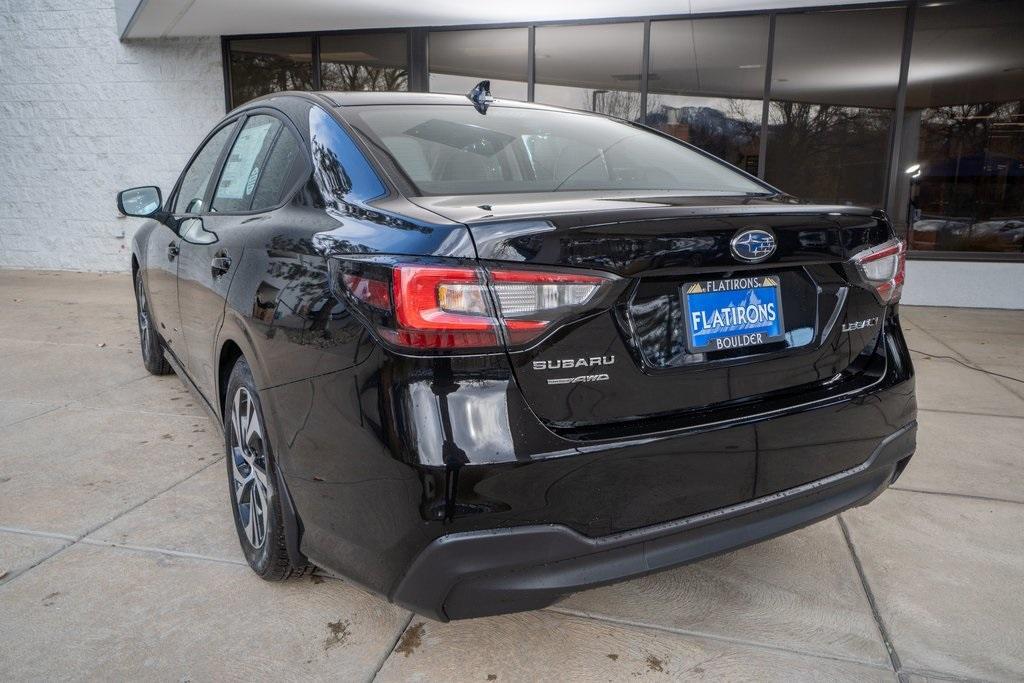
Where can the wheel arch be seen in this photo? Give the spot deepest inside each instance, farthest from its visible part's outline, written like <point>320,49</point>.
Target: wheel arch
<point>229,354</point>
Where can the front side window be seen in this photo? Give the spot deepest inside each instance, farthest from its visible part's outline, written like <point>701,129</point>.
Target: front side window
<point>197,177</point>
<point>242,169</point>
<point>450,150</point>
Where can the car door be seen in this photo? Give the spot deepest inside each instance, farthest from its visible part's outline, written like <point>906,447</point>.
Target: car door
<point>253,180</point>
<point>164,244</point>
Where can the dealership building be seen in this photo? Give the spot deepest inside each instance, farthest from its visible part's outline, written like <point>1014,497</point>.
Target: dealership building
<point>915,107</point>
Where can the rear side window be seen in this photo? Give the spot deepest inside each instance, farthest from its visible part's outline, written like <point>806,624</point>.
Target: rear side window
<point>244,165</point>
<point>197,177</point>
<point>284,164</point>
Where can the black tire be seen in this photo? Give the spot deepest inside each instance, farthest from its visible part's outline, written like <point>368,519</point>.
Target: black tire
<point>149,339</point>
<point>258,519</point>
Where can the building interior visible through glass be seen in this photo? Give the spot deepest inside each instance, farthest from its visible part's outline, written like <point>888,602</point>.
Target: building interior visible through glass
<point>264,65</point>
<point>963,130</point>
<point>706,84</point>
<point>831,116</point>
<point>369,61</point>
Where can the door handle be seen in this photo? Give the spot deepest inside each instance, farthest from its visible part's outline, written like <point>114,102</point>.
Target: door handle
<point>220,265</point>
<point>172,251</point>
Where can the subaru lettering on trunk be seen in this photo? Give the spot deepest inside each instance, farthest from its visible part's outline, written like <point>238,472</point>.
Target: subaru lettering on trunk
<point>573,363</point>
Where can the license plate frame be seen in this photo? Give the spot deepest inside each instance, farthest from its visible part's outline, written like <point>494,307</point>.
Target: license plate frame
<point>727,304</point>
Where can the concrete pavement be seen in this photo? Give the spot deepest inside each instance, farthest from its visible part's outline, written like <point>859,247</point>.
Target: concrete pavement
<point>118,558</point>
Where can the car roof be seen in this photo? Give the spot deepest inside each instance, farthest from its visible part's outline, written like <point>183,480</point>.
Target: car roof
<point>350,99</point>
<point>363,98</point>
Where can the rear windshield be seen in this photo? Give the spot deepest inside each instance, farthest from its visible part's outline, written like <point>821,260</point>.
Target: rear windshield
<point>454,150</point>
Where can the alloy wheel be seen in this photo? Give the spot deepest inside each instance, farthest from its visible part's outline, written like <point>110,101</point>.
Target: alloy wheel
<point>144,331</point>
<point>249,467</point>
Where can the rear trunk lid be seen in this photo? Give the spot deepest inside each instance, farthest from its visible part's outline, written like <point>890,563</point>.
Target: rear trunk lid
<point>633,368</point>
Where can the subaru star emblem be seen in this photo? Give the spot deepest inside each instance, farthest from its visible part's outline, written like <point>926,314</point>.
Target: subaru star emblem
<point>753,245</point>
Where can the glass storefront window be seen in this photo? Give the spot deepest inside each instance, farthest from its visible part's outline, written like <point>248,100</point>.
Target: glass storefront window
<point>706,84</point>
<point>264,65</point>
<point>834,81</point>
<point>368,61</point>
<point>595,67</point>
<point>961,187</point>
<point>959,181</point>
<point>461,59</point>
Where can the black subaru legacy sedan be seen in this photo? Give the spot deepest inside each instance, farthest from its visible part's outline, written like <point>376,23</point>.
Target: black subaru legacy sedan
<point>475,354</point>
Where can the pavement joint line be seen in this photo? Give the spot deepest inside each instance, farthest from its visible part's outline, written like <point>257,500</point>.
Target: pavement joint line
<point>894,657</point>
<point>151,550</point>
<point>32,417</point>
<point>78,539</point>
<point>203,415</point>
<point>53,343</point>
<point>71,406</point>
<point>619,621</point>
<point>1017,389</point>
<point>969,496</point>
<point>963,412</point>
<point>11,577</point>
<point>390,651</point>
<point>80,403</point>
<point>40,534</point>
<point>939,675</point>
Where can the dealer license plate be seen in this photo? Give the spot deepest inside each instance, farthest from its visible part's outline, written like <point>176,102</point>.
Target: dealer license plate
<point>734,313</point>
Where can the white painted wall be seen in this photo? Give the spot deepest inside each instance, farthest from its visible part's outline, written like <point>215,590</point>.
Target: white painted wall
<point>964,283</point>
<point>82,116</point>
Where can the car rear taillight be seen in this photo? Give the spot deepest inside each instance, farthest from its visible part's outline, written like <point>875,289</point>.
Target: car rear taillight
<point>439,307</point>
<point>530,300</point>
<point>884,269</point>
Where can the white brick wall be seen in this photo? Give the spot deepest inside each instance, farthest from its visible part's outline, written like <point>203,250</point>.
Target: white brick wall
<point>82,116</point>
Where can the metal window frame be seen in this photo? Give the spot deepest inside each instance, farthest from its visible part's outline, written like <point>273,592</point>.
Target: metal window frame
<point>769,64</point>
<point>419,77</point>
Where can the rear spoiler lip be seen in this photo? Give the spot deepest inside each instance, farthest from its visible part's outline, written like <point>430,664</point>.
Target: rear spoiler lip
<point>669,213</point>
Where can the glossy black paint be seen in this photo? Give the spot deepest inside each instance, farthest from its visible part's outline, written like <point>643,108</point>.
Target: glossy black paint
<point>381,453</point>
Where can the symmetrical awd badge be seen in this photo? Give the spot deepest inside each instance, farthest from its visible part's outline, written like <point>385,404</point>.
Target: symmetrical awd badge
<point>572,363</point>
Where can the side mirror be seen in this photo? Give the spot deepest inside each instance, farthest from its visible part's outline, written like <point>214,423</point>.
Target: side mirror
<point>141,202</point>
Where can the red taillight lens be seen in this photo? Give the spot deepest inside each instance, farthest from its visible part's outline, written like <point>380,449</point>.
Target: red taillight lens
<point>451,307</point>
<point>884,268</point>
<point>438,307</point>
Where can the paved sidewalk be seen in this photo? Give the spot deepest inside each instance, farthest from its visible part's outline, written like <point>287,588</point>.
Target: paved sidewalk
<point>118,558</point>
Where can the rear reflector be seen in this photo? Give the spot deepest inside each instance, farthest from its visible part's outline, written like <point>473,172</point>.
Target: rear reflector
<point>439,307</point>
<point>884,269</point>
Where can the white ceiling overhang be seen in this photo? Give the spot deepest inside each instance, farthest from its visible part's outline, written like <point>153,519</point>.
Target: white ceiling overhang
<point>170,18</point>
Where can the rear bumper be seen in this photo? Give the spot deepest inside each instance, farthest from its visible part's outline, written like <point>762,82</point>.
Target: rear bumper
<point>480,573</point>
